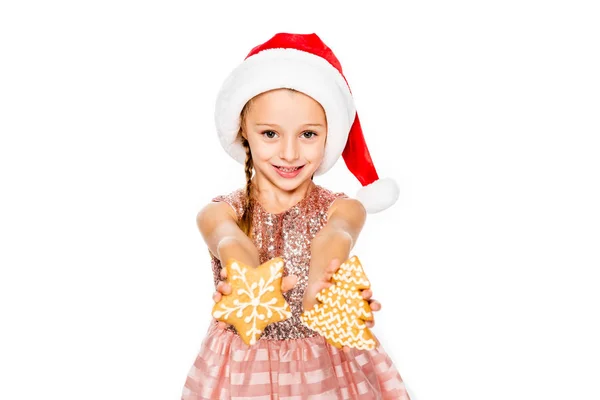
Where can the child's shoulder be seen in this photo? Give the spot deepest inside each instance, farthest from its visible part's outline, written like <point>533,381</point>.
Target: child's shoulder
<point>331,202</point>
<point>234,198</point>
<point>330,193</point>
<point>239,195</point>
<point>323,196</point>
<point>234,195</point>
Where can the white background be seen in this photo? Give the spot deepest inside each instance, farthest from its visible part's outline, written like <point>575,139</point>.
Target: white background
<point>485,113</point>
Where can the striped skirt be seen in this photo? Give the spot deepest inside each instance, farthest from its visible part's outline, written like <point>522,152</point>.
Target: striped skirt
<point>309,368</point>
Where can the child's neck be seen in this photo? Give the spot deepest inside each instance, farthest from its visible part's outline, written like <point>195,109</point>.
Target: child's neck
<point>274,199</point>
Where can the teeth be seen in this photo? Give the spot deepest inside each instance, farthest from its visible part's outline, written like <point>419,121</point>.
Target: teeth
<point>288,169</point>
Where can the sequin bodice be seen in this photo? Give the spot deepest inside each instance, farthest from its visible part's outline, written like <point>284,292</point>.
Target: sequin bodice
<point>288,235</point>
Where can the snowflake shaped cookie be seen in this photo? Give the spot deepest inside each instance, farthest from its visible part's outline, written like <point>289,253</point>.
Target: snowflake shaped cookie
<point>341,314</point>
<point>256,299</point>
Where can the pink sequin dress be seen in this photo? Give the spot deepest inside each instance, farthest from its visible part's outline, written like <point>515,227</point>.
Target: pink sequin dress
<point>290,361</point>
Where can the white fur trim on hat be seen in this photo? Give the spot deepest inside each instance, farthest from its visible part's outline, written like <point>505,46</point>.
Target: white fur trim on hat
<point>286,68</point>
<point>379,195</point>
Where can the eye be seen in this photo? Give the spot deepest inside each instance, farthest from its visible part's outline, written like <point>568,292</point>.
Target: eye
<point>267,134</point>
<point>311,133</point>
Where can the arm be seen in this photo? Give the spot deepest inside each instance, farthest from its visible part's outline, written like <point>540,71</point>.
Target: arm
<point>334,241</point>
<point>224,238</point>
<point>218,225</point>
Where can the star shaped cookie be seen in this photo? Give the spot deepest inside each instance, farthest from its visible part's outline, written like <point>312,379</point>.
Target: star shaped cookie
<point>256,299</point>
<point>341,314</point>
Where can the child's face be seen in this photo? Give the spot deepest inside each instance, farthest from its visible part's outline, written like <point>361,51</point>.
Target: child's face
<point>286,129</point>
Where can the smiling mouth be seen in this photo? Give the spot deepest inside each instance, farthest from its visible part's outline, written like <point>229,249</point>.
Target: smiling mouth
<point>286,169</point>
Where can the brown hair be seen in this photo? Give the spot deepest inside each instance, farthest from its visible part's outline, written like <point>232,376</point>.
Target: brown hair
<point>245,222</point>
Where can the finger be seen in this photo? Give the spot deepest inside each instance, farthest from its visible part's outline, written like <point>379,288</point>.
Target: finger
<point>221,325</point>
<point>367,293</point>
<point>308,304</point>
<point>370,324</point>
<point>319,286</point>
<point>288,282</point>
<point>334,264</point>
<point>331,269</point>
<point>375,305</point>
<point>223,273</point>
<point>346,349</point>
<point>216,297</point>
<point>224,288</point>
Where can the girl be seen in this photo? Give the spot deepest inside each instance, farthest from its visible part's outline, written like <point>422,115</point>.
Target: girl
<point>287,114</point>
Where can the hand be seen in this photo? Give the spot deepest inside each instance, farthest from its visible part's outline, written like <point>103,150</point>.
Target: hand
<point>224,288</point>
<point>374,304</point>
<point>313,288</point>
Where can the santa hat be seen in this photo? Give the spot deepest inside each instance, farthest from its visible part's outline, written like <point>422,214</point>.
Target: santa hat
<point>304,63</point>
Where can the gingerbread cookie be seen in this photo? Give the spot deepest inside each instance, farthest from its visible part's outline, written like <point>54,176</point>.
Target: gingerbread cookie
<point>256,299</point>
<point>341,314</point>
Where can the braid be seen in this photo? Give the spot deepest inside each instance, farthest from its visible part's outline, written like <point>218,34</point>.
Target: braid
<point>246,220</point>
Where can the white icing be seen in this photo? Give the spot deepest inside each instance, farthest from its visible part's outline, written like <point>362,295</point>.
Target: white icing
<point>254,293</point>
<point>341,319</point>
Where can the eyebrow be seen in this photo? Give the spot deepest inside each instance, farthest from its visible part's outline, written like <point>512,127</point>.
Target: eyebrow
<point>277,126</point>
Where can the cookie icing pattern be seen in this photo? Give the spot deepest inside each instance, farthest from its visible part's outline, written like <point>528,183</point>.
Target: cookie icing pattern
<point>341,312</point>
<point>256,299</point>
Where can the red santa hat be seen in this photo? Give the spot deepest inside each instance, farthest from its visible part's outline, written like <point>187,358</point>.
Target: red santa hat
<point>304,63</point>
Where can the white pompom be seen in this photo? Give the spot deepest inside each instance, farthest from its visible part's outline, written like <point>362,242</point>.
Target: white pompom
<point>379,195</point>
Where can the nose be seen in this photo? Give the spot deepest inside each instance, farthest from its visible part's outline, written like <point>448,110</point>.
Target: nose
<point>289,149</point>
